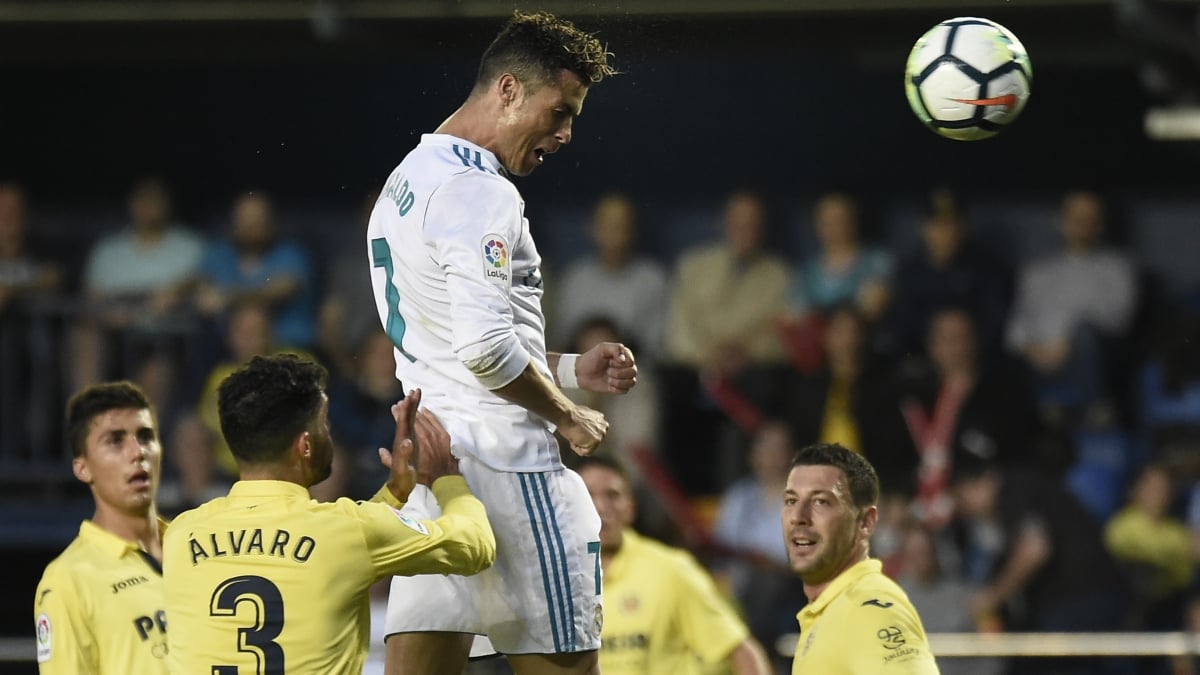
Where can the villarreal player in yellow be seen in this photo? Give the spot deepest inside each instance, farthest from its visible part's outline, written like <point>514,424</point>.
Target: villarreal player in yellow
<point>662,612</point>
<point>857,621</point>
<point>99,606</point>
<point>266,580</point>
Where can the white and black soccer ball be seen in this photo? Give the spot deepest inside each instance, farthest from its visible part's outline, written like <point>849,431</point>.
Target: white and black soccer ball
<point>967,78</point>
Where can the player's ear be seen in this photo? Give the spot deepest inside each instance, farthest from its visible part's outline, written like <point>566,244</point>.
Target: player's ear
<point>509,89</point>
<point>79,467</point>
<point>870,516</point>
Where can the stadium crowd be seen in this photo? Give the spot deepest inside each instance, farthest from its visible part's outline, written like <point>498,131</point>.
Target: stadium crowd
<point>1035,422</point>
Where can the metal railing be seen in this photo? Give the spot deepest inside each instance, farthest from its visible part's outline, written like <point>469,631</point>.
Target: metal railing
<point>39,369</point>
<point>978,645</point>
<point>944,645</point>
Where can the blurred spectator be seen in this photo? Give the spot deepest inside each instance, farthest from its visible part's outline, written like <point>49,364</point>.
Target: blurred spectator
<point>347,314</point>
<point>853,401</point>
<point>1052,571</point>
<point>949,270</point>
<point>204,462</point>
<point>360,412</point>
<point>142,269</point>
<point>1155,550</point>
<point>725,299</point>
<point>21,273</point>
<point>941,599</point>
<point>633,417</point>
<point>961,401</point>
<point>896,515</point>
<point>255,264</point>
<point>1170,378</point>
<point>23,278</point>
<point>1193,522</point>
<point>745,519</point>
<point>134,282</point>
<point>844,271</point>
<point>747,529</point>
<point>615,283</point>
<point>1073,308</point>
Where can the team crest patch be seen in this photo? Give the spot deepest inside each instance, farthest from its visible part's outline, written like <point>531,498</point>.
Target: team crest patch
<point>496,260</point>
<point>45,638</point>
<point>411,523</point>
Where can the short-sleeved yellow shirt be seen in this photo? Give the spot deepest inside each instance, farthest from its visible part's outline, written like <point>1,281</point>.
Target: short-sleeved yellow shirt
<point>99,609</point>
<point>663,613</point>
<point>267,580</point>
<point>862,624</point>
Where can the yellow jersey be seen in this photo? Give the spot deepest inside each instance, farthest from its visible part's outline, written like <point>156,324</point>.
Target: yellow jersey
<point>99,608</point>
<point>267,580</point>
<point>1166,544</point>
<point>862,624</point>
<point>662,613</point>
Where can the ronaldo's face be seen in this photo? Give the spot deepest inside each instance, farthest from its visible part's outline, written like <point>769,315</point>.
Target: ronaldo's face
<point>820,523</point>
<point>539,123</point>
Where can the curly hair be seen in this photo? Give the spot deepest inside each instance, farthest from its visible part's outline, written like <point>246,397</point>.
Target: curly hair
<point>536,47</point>
<point>265,404</point>
<point>96,400</point>
<point>861,476</point>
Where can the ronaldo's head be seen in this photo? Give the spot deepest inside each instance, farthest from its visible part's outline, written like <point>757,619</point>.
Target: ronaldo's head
<point>537,72</point>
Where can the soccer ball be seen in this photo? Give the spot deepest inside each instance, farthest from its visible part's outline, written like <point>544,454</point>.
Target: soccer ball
<point>967,78</point>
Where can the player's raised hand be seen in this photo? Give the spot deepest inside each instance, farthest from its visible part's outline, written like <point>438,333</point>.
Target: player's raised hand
<point>403,476</point>
<point>435,458</point>
<point>585,429</point>
<point>607,368</point>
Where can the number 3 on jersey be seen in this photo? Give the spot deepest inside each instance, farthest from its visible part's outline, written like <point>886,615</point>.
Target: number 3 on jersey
<point>265,604</point>
<point>381,256</point>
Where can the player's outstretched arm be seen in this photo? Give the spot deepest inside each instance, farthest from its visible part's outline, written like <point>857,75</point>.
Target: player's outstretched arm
<point>461,540</point>
<point>583,427</point>
<point>607,368</point>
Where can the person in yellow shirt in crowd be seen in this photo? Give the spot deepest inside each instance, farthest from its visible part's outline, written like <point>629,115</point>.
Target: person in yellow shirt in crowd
<point>663,614</point>
<point>857,620</point>
<point>99,606</point>
<point>268,580</point>
<point>1154,547</point>
<point>202,457</point>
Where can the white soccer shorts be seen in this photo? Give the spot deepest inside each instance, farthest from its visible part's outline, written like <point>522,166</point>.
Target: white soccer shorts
<point>542,596</point>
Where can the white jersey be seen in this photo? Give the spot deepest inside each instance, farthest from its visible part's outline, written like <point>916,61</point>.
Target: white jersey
<point>458,288</point>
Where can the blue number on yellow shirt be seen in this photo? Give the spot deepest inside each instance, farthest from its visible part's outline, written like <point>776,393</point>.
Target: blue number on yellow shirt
<point>381,256</point>
<point>265,600</point>
<point>594,549</point>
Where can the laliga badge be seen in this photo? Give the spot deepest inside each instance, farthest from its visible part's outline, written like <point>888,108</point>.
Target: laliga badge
<point>497,262</point>
<point>411,523</point>
<point>45,638</point>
